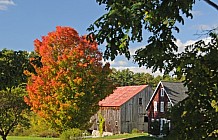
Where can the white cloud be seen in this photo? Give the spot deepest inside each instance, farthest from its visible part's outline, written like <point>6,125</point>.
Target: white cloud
<point>196,13</point>
<point>181,45</point>
<point>121,63</point>
<point>5,3</point>
<point>133,49</point>
<point>203,27</point>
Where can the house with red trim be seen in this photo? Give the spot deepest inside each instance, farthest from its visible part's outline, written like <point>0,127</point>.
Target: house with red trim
<point>124,110</point>
<point>166,95</point>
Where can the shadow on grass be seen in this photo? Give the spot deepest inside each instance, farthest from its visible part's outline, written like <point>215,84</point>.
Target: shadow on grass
<point>142,138</point>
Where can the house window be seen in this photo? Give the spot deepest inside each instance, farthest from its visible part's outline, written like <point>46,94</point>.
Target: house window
<point>162,92</point>
<point>155,106</point>
<point>161,106</point>
<point>168,105</point>
<point>140,101</point>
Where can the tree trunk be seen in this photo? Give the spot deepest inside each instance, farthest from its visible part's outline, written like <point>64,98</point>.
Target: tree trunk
<point>4,137</point>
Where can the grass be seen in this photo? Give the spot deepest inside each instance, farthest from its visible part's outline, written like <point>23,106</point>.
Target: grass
<point>137,136</point>
<point>29,138</point>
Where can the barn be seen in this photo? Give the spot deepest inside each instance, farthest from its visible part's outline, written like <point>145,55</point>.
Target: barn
<point>124,110</point>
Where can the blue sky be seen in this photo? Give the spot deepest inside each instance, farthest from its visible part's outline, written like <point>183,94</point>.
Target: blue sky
<point>22,21</point>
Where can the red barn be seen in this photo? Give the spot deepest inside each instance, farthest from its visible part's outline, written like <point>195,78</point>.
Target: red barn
<point>166,94</point>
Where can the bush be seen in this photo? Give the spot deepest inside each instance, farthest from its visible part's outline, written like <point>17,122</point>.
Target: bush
<point>135,130</point>
<point>155,127</point>
<point>71,134</point>
<point>48,133</point>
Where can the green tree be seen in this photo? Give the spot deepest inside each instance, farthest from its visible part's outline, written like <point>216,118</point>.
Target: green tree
<point>12,106</point>
<point>122,77</point>
<point>12,67</point>
<point>127,77</point>
<point>198,115</point>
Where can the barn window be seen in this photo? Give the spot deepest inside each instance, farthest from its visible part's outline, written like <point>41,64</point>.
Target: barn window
<point>161,106</point>
<point>140,101</point>
<point>162,92</point>
<point>116,123</point>
<point>155,106</point>
<point>145,118</point>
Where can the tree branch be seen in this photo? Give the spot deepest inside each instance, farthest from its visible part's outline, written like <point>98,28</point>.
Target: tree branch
<point>212,4</point>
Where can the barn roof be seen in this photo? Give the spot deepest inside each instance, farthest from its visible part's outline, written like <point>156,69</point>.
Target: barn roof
<point>121,95</point>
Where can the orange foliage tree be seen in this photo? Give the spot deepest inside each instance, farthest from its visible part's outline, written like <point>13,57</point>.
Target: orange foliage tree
<point>71,81</point>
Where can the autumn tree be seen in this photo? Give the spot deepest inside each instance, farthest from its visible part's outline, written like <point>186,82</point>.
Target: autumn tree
<point>72,80</point>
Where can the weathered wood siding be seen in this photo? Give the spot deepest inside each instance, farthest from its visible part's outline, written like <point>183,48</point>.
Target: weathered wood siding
<point>133,114</point>
<point>128,116</point>
<point>112,119</point>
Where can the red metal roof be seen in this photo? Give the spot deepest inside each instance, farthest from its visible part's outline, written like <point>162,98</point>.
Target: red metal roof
<point>121,95</point>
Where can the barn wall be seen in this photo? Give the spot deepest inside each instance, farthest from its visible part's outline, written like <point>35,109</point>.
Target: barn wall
<point>112,119</point>
<point>133,114</point>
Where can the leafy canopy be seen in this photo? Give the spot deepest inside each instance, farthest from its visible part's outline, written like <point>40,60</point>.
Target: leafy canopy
<point>124,23</point>
<point>12,66</point>
<point>196,117</point>
<point>72,80</point>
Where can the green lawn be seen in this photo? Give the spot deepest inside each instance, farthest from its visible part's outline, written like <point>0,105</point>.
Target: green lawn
<point>142,136</point>
<point>29,138</point>
<point>138,136</point>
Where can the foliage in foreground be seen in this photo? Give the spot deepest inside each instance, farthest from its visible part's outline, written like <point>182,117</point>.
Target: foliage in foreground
<point>71,81</point>
<point>125,21</point>
<point>196,117</point>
